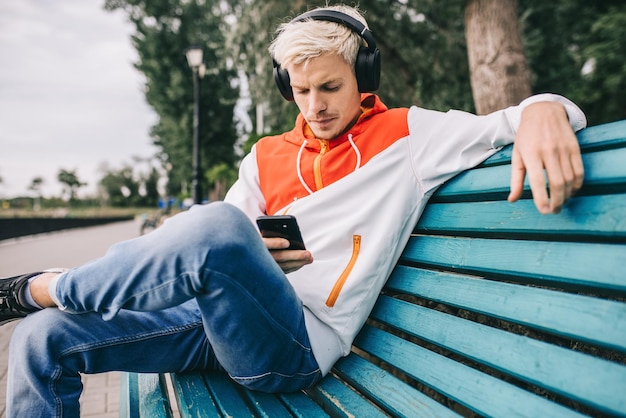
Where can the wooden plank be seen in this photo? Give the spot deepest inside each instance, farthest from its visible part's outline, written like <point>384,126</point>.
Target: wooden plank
<point>193,397</point>
<point>584,378</point>
<point>153,394</point>
<point>129,399</point>
<point>144,395</point>
<point>605,136</point>
<point>587,319</point>
<point>586,218</point>
<point>338,400</point>
<point>387,391</point>
<point>227,395</point>
<point>302,406</point>
<point>266,405</point>
<point>475,390</point>
<point>594,266</point>
<point>603,171</point>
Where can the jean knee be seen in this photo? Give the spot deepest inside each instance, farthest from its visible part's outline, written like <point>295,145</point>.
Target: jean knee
<point>31,337</point>
<point>218,222</point>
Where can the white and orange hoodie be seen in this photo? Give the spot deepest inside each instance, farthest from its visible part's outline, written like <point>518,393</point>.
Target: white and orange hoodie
<point>357,197</point>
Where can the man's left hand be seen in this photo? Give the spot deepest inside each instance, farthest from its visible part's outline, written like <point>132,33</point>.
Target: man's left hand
<point>545,141</point>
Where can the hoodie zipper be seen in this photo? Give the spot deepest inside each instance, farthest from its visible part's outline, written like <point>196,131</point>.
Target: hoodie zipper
<point>334,293</point>
<point>317,164</point>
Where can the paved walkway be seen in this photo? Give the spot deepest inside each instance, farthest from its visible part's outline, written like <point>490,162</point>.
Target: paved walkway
<point>70,248</point>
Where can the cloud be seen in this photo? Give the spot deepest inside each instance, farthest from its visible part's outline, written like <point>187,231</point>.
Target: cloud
<point>69,94</point>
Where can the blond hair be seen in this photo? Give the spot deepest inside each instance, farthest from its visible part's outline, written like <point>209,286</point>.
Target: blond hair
<point>299,41</point>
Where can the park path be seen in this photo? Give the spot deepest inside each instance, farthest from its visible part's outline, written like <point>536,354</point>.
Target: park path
<point>100,398</point>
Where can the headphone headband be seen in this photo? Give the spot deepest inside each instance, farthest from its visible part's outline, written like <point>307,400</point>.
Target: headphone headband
<point>342,19</point>
<point>367,65</point>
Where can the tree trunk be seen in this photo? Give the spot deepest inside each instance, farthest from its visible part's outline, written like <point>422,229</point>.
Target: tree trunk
<point>499,72</point>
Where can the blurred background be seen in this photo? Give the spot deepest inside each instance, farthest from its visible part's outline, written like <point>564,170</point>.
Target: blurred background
<point>101,112</point>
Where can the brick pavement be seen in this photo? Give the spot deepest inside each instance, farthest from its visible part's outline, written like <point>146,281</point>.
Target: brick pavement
<point>100,398</point>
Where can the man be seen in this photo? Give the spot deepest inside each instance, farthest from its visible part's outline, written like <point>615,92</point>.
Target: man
<point>203,292</point>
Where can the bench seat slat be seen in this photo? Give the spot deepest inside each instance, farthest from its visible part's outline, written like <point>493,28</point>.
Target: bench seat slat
<point>592,320</point>
<point>608,135</point>
<point>393,395</point>
<point>266,404</point>
<point>302,406</point>
<point>339,400</point>
<point>585,217</point>
<point>194,399</point>
<point>597,266</point>
<point>549,366</point>
<point>603,170</point>
<point>486,395</point>
<point>144,395</point>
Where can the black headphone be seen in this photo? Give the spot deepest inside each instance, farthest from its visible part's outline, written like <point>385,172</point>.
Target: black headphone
<point>367,65</point>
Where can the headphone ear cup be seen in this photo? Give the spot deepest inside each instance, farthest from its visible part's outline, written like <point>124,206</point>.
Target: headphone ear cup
<point>281,77</point>
<point>367,69</point>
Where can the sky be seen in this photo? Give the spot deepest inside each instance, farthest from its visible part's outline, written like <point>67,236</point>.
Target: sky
<point>70,97</point>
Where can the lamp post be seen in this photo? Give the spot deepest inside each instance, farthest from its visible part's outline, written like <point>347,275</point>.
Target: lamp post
<point>194,59</point>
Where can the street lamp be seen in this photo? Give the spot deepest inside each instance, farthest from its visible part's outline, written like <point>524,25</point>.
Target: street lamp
<point>194,59</point>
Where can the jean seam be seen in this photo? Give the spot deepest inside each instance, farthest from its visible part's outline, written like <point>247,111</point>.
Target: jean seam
<point>259,376</point>
<point>134,338</point>
<point>52,388</point>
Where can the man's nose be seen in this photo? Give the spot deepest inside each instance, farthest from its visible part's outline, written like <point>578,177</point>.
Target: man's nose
<point>317,103</point>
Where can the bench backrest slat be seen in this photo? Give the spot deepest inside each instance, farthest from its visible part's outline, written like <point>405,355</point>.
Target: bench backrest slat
<point>557,313</point>
<point>588,218</point>
<point>601,137</point>
<point>605,171</point>
<point>528,261</point>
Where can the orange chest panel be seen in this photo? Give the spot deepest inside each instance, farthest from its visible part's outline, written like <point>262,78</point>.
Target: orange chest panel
<point>284,164</point>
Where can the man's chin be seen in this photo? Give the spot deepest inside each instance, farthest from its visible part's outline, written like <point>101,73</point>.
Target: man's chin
<point>325,133</point>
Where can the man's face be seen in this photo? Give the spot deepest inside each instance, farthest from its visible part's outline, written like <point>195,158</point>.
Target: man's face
<point>326,92</point>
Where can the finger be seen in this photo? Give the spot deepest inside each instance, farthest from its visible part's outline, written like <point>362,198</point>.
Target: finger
<point>579,171</point>
<point>518,173</point>
<point>565,173</point>
<point>538,186</point>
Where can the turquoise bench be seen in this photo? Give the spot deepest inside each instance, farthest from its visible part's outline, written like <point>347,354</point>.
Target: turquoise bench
<point>493,310</point>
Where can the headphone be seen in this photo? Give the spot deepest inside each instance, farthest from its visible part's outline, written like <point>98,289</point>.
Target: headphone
<point>367,65</point>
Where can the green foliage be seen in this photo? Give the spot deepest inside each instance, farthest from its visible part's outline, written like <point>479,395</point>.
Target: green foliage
<point>125,187</point>
<point>164,29</point>
<point>564,37</point>
<point>70,183</point>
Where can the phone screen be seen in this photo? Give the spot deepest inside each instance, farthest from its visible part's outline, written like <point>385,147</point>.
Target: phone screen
<point>282,226</point>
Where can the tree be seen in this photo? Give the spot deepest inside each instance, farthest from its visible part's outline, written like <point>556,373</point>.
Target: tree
<point>35,186</point>
<point>498,71</point>
<point>70,183</point>
<point>164,29</point>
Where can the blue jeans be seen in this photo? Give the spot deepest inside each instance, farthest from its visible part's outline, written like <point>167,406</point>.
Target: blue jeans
<point>201,292</point>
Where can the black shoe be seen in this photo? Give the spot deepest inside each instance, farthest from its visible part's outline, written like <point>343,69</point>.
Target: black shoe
<point>12,306</point>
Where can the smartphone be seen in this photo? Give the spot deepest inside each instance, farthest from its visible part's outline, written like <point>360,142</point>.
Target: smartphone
<point>282,226</point>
